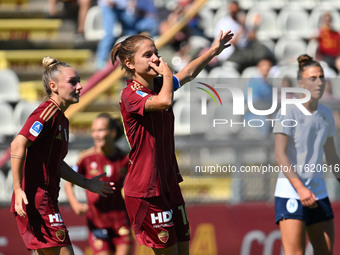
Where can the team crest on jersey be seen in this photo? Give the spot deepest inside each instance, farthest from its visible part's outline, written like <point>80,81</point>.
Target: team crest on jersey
<point>108,170</point>
<point>61,235</point>
<point>98,244</point>
<point>163,236</point>
<point>123,231</point>
<point>141,93</point>
<point>36,128</point>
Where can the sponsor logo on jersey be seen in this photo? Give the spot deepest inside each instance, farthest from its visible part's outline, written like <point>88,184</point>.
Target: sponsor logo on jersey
<point>161,219</point>
<point>163,236</point>
<point>61,235</point>
<point>36,128</point>
<point>141,93</point>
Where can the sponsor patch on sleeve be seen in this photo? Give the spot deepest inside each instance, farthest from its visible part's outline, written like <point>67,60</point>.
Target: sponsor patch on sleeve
<point>141,93</point>
<point>36,128</point>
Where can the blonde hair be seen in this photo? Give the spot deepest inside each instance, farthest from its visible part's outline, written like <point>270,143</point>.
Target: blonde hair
<point>51,72</point>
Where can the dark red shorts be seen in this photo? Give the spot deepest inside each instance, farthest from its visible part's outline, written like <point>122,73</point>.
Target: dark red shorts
<point>106,239</point>
<point>43,230</point>
<point>159,222</point>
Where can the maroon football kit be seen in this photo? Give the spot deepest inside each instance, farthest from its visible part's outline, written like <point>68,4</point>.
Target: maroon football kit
<point>47,129</point>
<point>106,218</point>
<point>152,194</point>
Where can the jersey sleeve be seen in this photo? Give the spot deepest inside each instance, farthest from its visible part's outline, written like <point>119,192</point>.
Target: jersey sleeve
<point>134,100</point>
<point>36,125</point>
<point>176,83</point>
<point>288,128</point>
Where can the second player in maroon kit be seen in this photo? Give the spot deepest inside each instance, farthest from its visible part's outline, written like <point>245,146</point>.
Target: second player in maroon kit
<point>152,195</point>
<point>107,220</point>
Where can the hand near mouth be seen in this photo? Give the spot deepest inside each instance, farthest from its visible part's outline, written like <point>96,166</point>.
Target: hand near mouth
<point>161,67</point>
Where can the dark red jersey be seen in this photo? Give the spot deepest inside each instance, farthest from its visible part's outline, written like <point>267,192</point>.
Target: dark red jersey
<point>329,42</point>
<point>47,128</point>
<point>104,212</point>
<point>153,168</point>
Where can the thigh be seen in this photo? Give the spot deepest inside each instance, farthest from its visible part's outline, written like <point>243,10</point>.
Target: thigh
<point>180,216</point>
<point>65,250</point>
<point>152,221</point>
<point>293,236</point>
<point>41,231</point>
<point>321,236</point>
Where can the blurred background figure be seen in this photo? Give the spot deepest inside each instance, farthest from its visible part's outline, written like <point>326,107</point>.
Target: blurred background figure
<point>246,50</point>
<point>113,11</point>
<point>328,42</point>
<point>107,220</point>
<point>146,17</point>
<point>83,7</point>
<point>262,94</point>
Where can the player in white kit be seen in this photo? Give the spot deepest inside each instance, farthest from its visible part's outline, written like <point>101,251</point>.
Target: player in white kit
<point>301,199</point>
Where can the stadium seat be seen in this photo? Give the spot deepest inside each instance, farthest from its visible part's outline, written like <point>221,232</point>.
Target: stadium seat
<point>312,47</point>
<point>6,120</point>
<point>4,197</point>
<point>21,112</point>
<point>223,72</point>
<point>206,22</point>
<point>269,43</point>
<point>246,4</point>
<point>31,59</point>
<point>9,88</point>
<point>335,4</point>
<point>181,110</point>
<point>250,72</point>
<point>287,49</point>
<point>198,42</point>
<point>11,5</point>
<point>93,29</point>
<point>29,29</point>
<point>316,15</point>
<point>268,26</point>
<point>277,4</point>
<point>294,22</point>
<point>305,4</point>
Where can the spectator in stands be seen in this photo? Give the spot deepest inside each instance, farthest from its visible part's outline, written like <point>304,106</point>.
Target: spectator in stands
<point>107,220</point>
<point>151,186</point>
<point>37,160</point>
<point>301,199</point>
<point>328,42</point>
<point>146,17</point>
<point>83,7</point>
<point>113,11</point>
<point>287,83</point>
<point>261,90</point>
<point>246,50</point>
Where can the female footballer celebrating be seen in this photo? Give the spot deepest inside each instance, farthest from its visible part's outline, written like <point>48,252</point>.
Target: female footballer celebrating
<point>37,154</point>
<point>301,199</point>
<point>152,195</point>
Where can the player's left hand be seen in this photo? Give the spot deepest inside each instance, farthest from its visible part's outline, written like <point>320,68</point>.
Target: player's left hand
<point>222,41</point>
<point>102,188</point>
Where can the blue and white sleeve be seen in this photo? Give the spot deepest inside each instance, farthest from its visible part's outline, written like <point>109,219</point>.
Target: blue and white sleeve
<point>176,83</point>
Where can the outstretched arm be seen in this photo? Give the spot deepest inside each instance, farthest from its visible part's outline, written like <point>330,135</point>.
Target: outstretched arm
<point>195,67</point>
<point>78,208</point>
<point>95,184</point>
